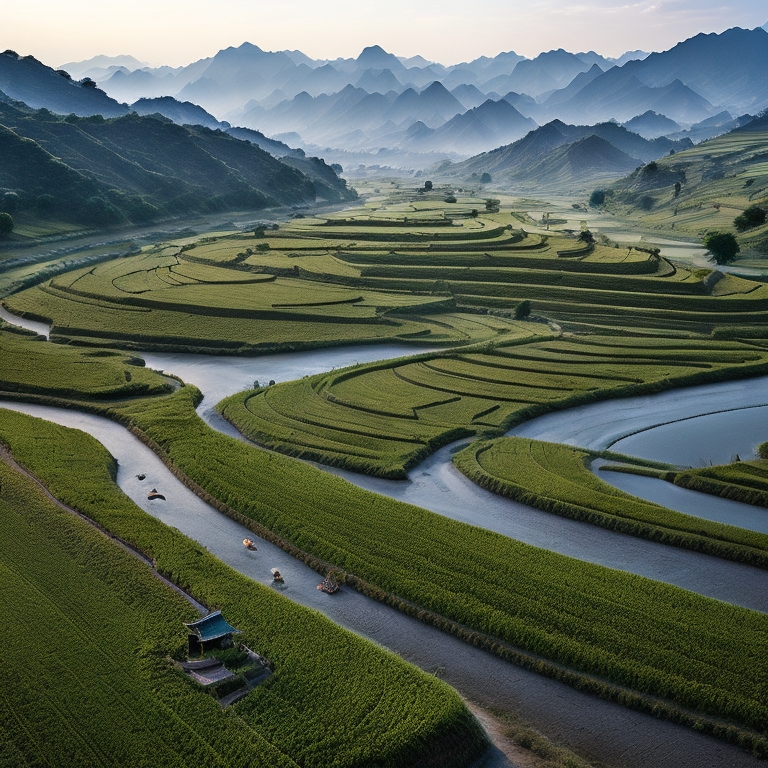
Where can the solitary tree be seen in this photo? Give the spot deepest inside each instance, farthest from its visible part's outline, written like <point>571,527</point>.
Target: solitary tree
<point>523,310</point>
<point>597,198</point>
<point>6,224</point>
<point>428,186</point>
<point>722,246</point>
<point>486,178</point>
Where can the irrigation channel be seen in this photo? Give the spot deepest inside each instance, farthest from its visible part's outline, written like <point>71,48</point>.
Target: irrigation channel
<point>604,731</point>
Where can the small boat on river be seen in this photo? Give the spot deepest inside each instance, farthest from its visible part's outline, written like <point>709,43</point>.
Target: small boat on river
<point>276,576</point>
<point>329,585</point>
<point>155,494</point>
<point>249,545</point>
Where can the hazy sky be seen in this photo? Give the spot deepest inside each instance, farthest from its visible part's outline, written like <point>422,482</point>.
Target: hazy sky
<point>449,31</point>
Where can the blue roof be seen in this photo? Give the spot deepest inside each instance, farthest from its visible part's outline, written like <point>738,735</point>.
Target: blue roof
<point>211,627</point>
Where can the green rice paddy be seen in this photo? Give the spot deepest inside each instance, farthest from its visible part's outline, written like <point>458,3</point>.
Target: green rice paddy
<point>606,322</point>
<point>90,633</point>
<point>397,269</point>
<point>382,418</point>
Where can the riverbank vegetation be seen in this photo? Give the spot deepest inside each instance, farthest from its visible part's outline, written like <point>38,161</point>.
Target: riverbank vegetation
<point>557,479</point>
<point>382,418</point>
<point>101,690</point>
<point>744,481</point>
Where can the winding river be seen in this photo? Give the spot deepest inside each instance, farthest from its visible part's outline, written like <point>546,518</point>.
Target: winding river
<point>595,727</point>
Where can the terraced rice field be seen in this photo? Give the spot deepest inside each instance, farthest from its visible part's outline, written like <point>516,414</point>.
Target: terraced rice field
<point>396,269</point>
<point>34,367</point>
<point>410,268</point>
<point>383,418</point>
<point>557,479</point>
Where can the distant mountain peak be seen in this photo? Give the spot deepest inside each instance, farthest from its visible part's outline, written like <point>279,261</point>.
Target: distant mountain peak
<point>435,87</point>
<point>375,57</point>
<point>373,50</point>
<point>246,46</point>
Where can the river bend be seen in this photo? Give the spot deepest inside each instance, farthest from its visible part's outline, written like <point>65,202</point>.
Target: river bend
<point>606,731</point>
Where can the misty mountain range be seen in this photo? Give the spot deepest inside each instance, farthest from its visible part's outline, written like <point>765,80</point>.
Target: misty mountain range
<point>513,117</point>
<point>558,155</point>
<point>380,100</point>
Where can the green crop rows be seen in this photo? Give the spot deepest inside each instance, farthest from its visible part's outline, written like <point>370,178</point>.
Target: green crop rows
<point>383,418</point>
<point>556,478</point>
<point>403,269</point>
<point>38,368</point>
<point>745,481</point>
<point>590,618</point>
<point>391,270</point>
<point>88,630</point>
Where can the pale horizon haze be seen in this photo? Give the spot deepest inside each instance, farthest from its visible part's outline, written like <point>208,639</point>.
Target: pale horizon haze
<point>177,33</point>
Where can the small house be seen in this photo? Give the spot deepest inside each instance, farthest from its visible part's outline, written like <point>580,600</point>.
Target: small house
<point>212,631</point>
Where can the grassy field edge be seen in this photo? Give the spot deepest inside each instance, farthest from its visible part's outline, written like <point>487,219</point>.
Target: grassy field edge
<point>713,540</point>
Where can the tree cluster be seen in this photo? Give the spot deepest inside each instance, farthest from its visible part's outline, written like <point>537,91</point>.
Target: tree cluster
<point>754,216</point>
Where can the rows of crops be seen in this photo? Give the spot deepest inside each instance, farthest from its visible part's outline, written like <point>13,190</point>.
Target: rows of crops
<point>35,367</point>
<point>406,269</point>
<point>556,478</point>
<point>383,272</point>
<point>745,481</point>
<point>99,690</point>
<point>383,418</point>
<point>590,618</point>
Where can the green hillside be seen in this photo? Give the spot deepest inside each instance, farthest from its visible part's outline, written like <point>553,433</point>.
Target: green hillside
<point>101,172</point>
<point>718,180</point>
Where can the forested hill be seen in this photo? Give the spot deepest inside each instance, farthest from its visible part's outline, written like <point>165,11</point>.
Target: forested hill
<point>29,80</point>
<point>102,172</point>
